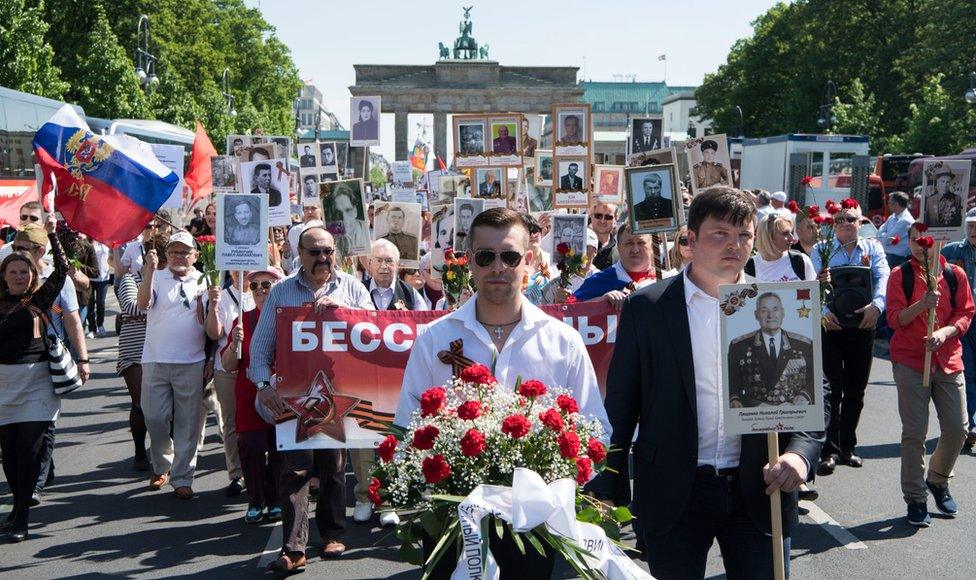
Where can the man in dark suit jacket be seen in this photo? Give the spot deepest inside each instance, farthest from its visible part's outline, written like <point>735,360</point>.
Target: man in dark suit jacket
<point>645,140</point>
<point>307,159</point>
<point>490,187</point>
<point>571,181</point>
<point>262,184</point>
<point>693,483</point>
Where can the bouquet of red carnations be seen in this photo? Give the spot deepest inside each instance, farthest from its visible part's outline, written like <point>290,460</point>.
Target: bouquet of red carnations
<point>208,250</point>
<point>570,263</point>
<point>470,432</point>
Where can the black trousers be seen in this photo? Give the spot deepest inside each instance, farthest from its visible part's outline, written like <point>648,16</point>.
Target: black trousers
<point>22,445</point>
<point>47,460</point>
<point>512,565</point>
<point>297,469</point>
<point>847,356</point>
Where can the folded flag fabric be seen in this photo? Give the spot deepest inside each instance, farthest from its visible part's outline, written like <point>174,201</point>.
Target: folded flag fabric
<point>108,186</point>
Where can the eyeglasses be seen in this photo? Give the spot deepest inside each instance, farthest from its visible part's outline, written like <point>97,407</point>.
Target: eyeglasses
<point>849,220</point>
<point>683,241</point>
<point>266,285</point>
<point>177,254</point>
<point>385,261</point>
<point>33,218</point>
<point>316,252</point>
<point>603,216</point>
<point>485,258</point>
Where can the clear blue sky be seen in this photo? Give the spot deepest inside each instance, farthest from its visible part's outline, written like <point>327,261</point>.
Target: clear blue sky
<point>615,37</point>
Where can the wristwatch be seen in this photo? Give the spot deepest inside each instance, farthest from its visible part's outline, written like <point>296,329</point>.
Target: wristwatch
<point>263,385</point>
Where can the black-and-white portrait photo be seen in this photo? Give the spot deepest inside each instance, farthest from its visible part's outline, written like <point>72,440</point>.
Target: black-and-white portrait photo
<point>223,170</point>
<point>771,338</point>
<point>645,135</point>
<point>269,178</point>
<point>306,155</point>
<point>451,186</point>
<point>237,144</point>
<point>651,195</point>
<point>344,213</point>
<point>471,138</point>
<point>569,229</point>
<point>365,116</point>
<point>572,175</point>
<point>262,182</point>
<point>242,220</point>
<point>327,157</point>
<point>572,127</point>
<point>310,187</point>
<point>401,224</point>
<point>945,190</point>
<point>465,210</point>
<point>342,157</point>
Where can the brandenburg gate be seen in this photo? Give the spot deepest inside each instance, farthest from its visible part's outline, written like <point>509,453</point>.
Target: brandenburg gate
<point>463,80</point>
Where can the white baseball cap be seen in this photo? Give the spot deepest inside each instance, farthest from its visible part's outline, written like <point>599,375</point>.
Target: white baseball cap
<point>971,216</point>
<point>779,196</point>
<point>182,237</point>
<point>591,239</point>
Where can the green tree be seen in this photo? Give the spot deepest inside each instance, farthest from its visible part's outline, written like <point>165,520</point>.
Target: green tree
<point>26,59</point>
<point>933,126</point>
<point>377,177</point>
<point>857,114</point>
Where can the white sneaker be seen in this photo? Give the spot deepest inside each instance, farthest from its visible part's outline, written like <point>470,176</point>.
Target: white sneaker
<point>388,519</point>
<point>363,511</point>
<point>89,334</point>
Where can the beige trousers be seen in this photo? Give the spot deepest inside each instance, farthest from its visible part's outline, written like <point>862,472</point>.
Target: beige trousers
<point>227,412</point>
<point>363,461</point>
<point>948,393</point>
<point>173,392</point>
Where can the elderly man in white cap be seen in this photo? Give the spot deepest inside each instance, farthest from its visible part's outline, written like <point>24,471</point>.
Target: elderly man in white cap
<point>553,293</point>
<point>173,361</point>
<point>778,202</point>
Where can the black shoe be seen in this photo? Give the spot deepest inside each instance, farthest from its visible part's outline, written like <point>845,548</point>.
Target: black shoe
<point>235,488</point>
<point>970,441</point>
<point>16,535</point>
<point>827,466</point>
<point>802,510</point>
<point>943,499</point>
<point>852,460</point>
<point>8,524</point>
<point>918,514</point>
<point>140,463</point>
<point>35,499</point>
<point>808,494</point>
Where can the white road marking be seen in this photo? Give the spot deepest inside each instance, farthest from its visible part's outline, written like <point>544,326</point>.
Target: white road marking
<point>272,548</point>
<point>839,532</point>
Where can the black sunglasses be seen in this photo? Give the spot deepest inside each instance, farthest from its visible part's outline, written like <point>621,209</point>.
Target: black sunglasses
<point>603,216</point>
<point>485,258</point>
<point>33,218</point>
<point>683,241</point>
<point>266,285</point>
<point>316,252</point>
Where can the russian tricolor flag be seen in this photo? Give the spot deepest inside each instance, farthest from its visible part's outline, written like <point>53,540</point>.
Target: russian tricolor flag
<point>108,186</point>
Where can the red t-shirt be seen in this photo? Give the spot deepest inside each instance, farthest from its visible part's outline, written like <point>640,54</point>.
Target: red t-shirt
<point>908,342</point>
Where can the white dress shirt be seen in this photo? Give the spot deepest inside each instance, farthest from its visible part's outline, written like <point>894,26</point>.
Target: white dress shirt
<point>539,347</point>
<point>715,446</point>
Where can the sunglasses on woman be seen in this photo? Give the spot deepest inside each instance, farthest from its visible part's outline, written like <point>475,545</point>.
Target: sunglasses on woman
<point>265,285</point>
<point>485,258</point>
<point>683,241</point>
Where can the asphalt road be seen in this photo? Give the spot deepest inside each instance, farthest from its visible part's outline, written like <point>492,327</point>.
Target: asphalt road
<point>99,517</point>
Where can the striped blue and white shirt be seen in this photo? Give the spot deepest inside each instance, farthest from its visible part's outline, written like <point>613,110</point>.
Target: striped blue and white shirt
<point>295,291</point>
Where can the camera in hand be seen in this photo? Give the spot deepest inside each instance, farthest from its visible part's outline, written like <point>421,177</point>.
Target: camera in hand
<point>851,291</point>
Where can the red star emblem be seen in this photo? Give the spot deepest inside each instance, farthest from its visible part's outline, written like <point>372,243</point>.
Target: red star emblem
<point>321,410</point>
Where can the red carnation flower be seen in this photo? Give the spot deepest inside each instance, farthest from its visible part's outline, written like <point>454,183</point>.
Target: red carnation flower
<point>832,208</point>
<point>424,437</point>
<point>387,448</point>
<point>436,469</point>
<point>516,426</point>
<point>552,419</point>
<point>472,443</point>
<point>567,404</point>
<point>562,248</point>
<point>569,444</point>
<point>373,491</point>
<point>828,220</point>
<point>584,470</point>
<point>895,240</point>
<point>448,254</point>
<point>478,374</point>
<point>571,299</point>
<point>819,220</point>
<point>431,401</point>
<point>206,239</point>
<point>469,410</point>
<point>793,206</point>
<point>920,227</point>
<point>807,180</point>
<point>849,203</point>
<point>595,450</point>
<point>925,242</point>
<point>532,389</point>
<point>813,211</point>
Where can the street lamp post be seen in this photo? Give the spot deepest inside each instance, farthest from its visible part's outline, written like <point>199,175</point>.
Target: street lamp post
<point>145,60</point>
<point>740,128</point>
<point>225,88</point>
<point>971,93</point>
<point>825,114</point>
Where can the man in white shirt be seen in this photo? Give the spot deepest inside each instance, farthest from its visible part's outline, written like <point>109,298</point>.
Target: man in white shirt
<point>173,362</point>
<point>500,329</point>
<point>694,482</point>
<point>893,234</point>
<point>778,202</point>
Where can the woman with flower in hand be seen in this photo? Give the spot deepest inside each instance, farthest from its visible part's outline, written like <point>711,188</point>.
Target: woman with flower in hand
<point>28,405</point>
<point>255,436</point>
<point>539,273</point>
<point>847,351</point>
<point>927,277</point>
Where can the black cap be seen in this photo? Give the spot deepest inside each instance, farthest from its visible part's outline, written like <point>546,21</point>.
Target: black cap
<point>709,144</point>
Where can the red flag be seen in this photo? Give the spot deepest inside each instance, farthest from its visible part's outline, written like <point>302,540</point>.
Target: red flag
<point>440,163</point>
<point>13,195</point>
<point>198,175</point>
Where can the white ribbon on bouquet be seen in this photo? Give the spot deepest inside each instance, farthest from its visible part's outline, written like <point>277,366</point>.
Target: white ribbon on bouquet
<point>526,505</point>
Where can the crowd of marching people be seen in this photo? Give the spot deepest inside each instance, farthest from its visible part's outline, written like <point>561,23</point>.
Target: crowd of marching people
<point>186,350</point>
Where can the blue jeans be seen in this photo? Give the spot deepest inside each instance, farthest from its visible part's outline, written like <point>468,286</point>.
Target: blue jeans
<point>715,512</point>
<point>969,362</point>
<point>96,308</point>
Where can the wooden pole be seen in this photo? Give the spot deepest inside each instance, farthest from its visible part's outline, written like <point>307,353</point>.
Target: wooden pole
<point>776,512</point>
<point>240,307</point>
<point>930,284</point>
<point>658,259</point>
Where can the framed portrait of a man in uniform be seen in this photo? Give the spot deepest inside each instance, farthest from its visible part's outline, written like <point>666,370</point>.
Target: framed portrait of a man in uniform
<point>654,199</point>
<point>708,158</point>
<point>772,365</point>
<point>945,191</point>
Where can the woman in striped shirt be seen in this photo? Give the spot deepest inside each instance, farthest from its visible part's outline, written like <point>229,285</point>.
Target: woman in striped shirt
<point>132,336</point>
